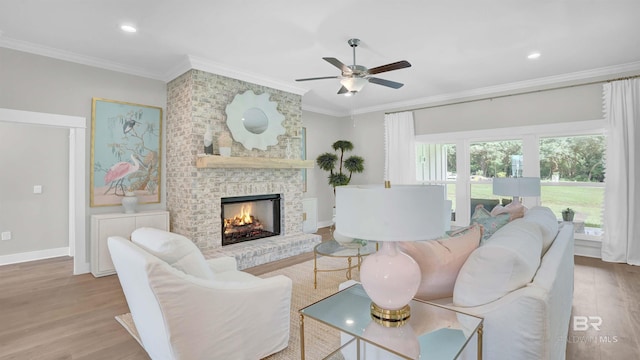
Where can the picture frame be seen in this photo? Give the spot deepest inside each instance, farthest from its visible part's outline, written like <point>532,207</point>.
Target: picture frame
<point>126,152</point>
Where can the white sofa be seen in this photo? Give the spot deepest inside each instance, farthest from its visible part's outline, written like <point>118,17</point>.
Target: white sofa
<point>523,319</point>
<point>185,307</point>
<point>520,281</point>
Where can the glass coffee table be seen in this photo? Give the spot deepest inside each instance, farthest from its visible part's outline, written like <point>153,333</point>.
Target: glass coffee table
<point>335,249</point>
<point>432,331</point>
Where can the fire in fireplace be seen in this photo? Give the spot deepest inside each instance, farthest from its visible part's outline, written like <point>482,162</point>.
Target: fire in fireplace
<point>246,218</point>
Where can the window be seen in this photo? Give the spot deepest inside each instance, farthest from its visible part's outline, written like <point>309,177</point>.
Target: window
<point>491,159</point>
<point>572,175</point>
<point>568,158</point>
<point>436,164</point>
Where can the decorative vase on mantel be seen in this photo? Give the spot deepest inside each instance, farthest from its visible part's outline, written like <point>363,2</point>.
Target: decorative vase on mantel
<point>208,140</point>
<point>129,202</point>
<point>224,144</point>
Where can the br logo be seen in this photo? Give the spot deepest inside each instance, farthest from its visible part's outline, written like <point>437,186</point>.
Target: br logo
<point>583,323</point>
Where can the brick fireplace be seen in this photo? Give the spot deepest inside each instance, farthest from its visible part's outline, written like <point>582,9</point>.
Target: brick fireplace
<point>248,218</point>
<point>194,100</point>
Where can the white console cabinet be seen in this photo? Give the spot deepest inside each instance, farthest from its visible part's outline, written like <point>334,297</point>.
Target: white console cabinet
<point>118,224</point>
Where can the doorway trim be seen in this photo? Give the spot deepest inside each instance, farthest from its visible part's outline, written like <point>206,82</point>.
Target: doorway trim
<point>77,126</point>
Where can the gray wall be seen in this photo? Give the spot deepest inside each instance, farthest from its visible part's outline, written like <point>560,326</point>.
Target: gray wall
<point>577,103</point>
<point>34,155</point>
<point>41,84</point>
<point>322,131</point>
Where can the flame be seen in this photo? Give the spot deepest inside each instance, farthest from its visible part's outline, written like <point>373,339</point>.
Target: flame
<point>244,217</point>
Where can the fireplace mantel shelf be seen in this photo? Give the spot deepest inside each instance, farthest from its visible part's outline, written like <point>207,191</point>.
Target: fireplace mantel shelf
<point>217,161</point>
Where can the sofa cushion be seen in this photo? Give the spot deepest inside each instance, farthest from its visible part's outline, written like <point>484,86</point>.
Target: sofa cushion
<point>176,250</point>
<point>505,263</point>
<point>440,260</point>
<point>544,217</point>
<point>490,223</point>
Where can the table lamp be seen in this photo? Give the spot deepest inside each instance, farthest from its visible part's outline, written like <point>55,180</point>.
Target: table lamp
<point>516,187</point>
<point>390,214</point>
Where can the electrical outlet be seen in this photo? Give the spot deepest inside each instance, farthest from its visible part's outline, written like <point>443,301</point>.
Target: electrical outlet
<point>6,235</point>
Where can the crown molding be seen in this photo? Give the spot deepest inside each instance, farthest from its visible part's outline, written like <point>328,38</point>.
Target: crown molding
<point>324,111</point>
<point>219,69</point>
<point>178,69</point>
<point>75,58</point>
<point>546,82</point>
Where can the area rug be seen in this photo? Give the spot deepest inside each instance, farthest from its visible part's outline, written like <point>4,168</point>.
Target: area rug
<point>320,340</point>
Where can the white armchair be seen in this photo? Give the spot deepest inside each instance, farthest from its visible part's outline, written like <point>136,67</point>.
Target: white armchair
<point>185,307</point>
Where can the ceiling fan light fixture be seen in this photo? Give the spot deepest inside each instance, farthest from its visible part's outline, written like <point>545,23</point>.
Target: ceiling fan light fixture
<point>354,84</point>
<point>128,28</point>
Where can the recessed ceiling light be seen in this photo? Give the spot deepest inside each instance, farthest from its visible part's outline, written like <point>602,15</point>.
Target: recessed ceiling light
<point>534,55</point>
<point>128,28</point>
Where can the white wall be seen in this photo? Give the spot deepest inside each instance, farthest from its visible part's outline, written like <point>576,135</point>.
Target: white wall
<point>41,84</point>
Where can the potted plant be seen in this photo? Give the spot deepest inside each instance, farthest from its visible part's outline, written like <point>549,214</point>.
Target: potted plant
<point>567,214</point>
<point>328,161</point>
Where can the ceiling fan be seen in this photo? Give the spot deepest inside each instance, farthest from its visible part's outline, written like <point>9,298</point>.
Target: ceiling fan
<point>355,77</point>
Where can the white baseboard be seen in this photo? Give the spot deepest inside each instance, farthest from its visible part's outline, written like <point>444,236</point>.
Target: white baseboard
<point>33,255</point>
<point>588,248</point>
<point>83,268</point>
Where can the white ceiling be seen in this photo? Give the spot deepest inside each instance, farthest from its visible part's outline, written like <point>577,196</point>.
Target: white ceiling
<point>457,48</point>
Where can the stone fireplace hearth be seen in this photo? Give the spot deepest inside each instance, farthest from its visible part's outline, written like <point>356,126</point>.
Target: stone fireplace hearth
<point>197,99</point>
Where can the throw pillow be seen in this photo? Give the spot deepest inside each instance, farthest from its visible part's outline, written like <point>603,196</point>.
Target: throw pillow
<point>515,211</point>
<point>506,263</point>
<point>175,249</point>
<point>544,217</point>
<point>440,260</point>
<point>491,224</point>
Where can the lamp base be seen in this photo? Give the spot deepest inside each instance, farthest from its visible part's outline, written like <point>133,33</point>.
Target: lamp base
<point>390,278</point>
<point>390,318</point>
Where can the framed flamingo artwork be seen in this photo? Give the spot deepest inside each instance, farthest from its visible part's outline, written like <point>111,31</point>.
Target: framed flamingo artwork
<point>126,142</point>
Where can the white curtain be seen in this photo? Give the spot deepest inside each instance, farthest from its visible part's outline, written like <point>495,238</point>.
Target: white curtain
<point>400,150</point>
<point>621,241</point>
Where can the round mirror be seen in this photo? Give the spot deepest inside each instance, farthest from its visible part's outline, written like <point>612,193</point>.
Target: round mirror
<point>255,121</point>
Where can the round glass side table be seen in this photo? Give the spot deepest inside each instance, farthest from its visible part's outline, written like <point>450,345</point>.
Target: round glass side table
<point>335,249</point>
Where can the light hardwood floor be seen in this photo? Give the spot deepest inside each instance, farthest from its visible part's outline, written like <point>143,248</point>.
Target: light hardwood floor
<point>47,313</point>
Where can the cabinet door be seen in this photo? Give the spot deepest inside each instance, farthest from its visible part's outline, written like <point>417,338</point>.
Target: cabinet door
<point>156,221</point>
<point>122,226</point>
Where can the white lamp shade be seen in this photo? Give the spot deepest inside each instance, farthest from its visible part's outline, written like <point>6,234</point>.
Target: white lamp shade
<point>399,213</point>
<point>522,186</point>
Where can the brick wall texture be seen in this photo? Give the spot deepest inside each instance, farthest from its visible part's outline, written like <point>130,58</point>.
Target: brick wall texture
<point>194,100</point>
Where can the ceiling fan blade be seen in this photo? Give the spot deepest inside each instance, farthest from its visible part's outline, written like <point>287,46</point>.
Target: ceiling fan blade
<point>393,66</point>
<point>383,82</point>
<point>343,90</point>
<point>337,63</point>
<point>319,78</point>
